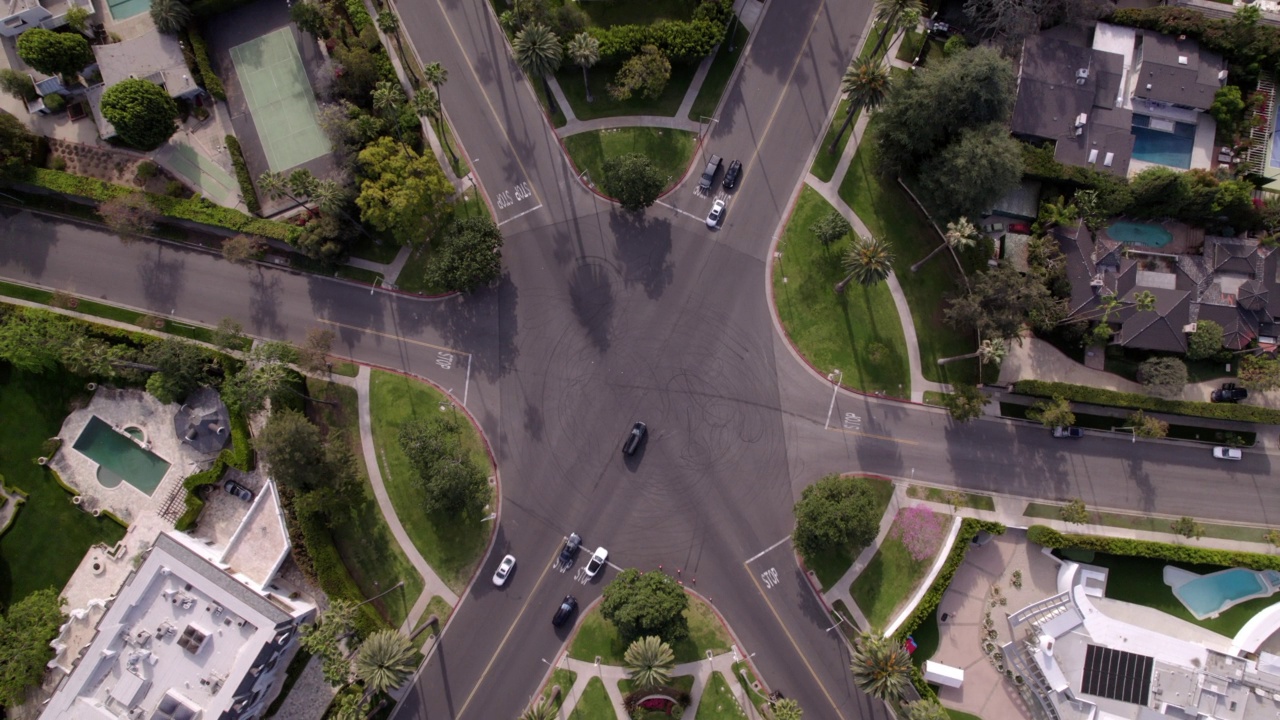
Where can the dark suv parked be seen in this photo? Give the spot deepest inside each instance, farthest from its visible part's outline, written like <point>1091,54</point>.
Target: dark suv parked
<point>570,550</point>
<point>567,606</point>
<point>709,174</point>
<point>638,431</point>
<point>1229,394</point>
<point>732,174</point>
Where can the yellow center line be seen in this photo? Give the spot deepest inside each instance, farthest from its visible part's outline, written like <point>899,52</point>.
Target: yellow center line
<point>873,435</point>
<point>800,653</point>
<point>393,337</point>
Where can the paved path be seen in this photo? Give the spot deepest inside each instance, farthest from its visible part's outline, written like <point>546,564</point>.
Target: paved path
<point>611,674</point>
<point>840,590</point>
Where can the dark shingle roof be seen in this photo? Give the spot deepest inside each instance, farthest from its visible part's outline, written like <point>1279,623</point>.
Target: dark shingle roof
<point>1178,71</point>
<point>1161,328</point>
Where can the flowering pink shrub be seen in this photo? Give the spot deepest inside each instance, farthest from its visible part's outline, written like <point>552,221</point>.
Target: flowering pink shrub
<point>920,529</point>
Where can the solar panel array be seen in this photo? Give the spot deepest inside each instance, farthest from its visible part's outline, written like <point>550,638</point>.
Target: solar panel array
<point>1117,675</point>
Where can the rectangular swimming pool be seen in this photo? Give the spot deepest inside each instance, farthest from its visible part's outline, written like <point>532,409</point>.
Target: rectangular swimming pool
<point>119,457</point>
<point>1161,147</point>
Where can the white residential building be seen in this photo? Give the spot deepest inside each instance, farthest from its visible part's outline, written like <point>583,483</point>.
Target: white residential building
<point>20,16</point>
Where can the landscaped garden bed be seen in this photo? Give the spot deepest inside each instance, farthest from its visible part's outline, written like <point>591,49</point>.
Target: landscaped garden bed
<point>668,150</point>
<point>831,565</point>
<point>598,638</point>
<point>888,582</point>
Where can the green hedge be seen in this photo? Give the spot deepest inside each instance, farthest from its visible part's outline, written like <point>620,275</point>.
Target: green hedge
<point>332,574</point>
<point>1050,538</point>
<point>201,52</point>
<point>247,190</point>
<point>1136,401</point>
<point>192,484</point>
<point>196,209</point>
<point>359,16</point>
<point>680,41</point>
<point>969,529</point>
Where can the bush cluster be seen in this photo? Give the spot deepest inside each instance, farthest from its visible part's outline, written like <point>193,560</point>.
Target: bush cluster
<point>1135,401</point>
<point>359,15</point>
<point>324,564</point>
<point>679,40</point>
<point>247,190</point>
<point>1050,538</point>
<point>201,53</point>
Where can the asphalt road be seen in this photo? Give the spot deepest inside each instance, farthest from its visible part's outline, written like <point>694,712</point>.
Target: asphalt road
<point>603,318</point>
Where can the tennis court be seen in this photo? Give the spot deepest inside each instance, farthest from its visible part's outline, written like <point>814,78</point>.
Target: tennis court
<point>280,99</point>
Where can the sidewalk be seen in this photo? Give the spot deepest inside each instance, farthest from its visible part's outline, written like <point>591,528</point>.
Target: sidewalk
<point>611,674</point>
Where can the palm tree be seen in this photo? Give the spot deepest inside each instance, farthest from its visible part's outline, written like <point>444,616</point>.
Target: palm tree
<point>384,661</point>
<point>542,710</point>
<point>427,104</point>
<point>960,235</point>
<point>328,196</point>
<point>389,24</point>
<point>538,53</point>
<point>388,98</point>
<point>437,74</point>
<point>275,186</point>
<point>890,13</point>
<point>1055,213</point>
<point>866,83</point>
<point>881,667</point>
<point>990,350</point>
<point>585,51</point>
<point>170,16</point>
<point>869,260</point>
<point>649,662</point>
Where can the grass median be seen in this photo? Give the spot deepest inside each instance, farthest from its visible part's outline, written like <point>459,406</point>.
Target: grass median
<point>830,566</point>
<point>598,637</point>
<point>669,150</point>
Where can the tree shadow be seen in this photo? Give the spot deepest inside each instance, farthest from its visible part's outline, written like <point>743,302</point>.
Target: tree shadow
<point>161,278</point>
<point>17,248</point>
<point>643,250</point>
<point>592,298</point>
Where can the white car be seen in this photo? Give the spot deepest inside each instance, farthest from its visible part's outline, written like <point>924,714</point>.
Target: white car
<point>1227,453</point>
<point>596,562</point>
<point>504,570</point>
<point>717,212</point>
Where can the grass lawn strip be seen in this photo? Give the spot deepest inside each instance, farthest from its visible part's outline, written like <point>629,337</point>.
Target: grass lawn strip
<point>565,680</point>
<point>451,545</point>
<point>975,501</point>
<point>831,566</point>
<point>598,637</point>
<point>104,311</point>
<point>441,608</point>
<point>365,543</point>
<point>888,581</point>
<point>887,211</point>
<point>594,703</point>
<point>959,715</point>
<point>858,331</point>
<point>718,74</point>
<point>669,150</point>
<point>824,165</point>
<point>49,536</point>
<point>747,679</point>
<point>1243,533</point>
<point>603,105</point>
<point>717,702</point>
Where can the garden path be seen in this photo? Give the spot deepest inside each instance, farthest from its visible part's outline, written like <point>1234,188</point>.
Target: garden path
<point>611,674</point>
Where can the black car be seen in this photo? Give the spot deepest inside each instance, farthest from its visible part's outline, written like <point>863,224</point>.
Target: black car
<point>1229,394</point>
<point>731,175</point>
<point>238,490</point>
<point>570,550</point>
<point>632,443</point>
<point>565,611</point>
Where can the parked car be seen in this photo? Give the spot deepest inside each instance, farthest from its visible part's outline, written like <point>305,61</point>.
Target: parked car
<point>709,173</point>
<point>1020,228</point>
<point>1229,394</point>
<point>732,174</point>
<point>238,490</point>
<point>717,212</point>
<point>597,561</point>
<point>570,550</point>
<point>567,606</point>
<point>504,570</point>
<point>632,443</point>
<point>993,228</point>
<point>1227,453</point>
<point>1067,431</point>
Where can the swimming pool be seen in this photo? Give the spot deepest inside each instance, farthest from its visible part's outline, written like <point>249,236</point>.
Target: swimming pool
<point>1210,594</point>
<point>1139,234</point>
<point>1169,144</point>
<point>119,457</point>
<point>122,9</point>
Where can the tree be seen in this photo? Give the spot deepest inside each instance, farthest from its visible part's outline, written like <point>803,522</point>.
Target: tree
<point>470,256</point>
<point>1272,537</point>
<point>16,144</point>
<point>384,661</point>
<point>866,83</point>
<point>584,49</point>
<point>1074,512</point>
<point>646,72</point>
<point>888,14</point>
<point>448,477</point>
<point>426,103</point>
<point>141,111</point>
<point>78,18</point>
<point>1146,426</point>
<point>633,180</point>
<point>964,402</point>
<point>129,216</point>
<point>243,249</point>
<point>1054,412</point>
<point>1206,341</point>
<point>961,235</point>
<point>265,376</point>
<point>926,710</point>
<point>835,512</point>
<point>313,356</point>
<point>1009,21</point>
<point>1187,527</point>
<point>52,53</point>
<point>1228,109</point>
<point>389,24</point>
<point>1000,300</point>
<point>649,661</point>
<point>868,260</point>
<point>881,667</point>
<point>356,70</point>
<point>180,368</point>
<point>310,18</point>
<point>18,84</point>
<point>1055,213</point>
<point>293,446</point>
<point>537,51</point>
<point>830,228</point>
<point>401,193</point>
<point>387,99</point>
<point>1163,376</point>
<point>541,710</point>
<point>641,604</point>
<point>170,16</point>
<point>1260,372</point>
<point>787,709</point>
<point>26,630</point>
<point>229,334</point>
<point>971,173</point>
<point>991,350</point>
<point>324,637</point>
<point>920,530</point>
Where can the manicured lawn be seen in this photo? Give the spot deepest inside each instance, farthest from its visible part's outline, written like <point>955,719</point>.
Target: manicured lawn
<point>1243,533</point>
<point>346,369</point>
<point>975,501</point>
<point>887,211</point>
<point>441,608</point>
<point>831,566</point>
<point>926,637</point>
<point>372,555</point>
<point>565,679</point>
<point>824,165</point>
<point>842,618</point>
<point>594,703</point>
<point>637,12</point>
<point>958,715</point>
<point>718,74</point>
<point>910,45</point>
<point>49,536</point>
<point>669,150</point>
<point>934,398</point>
<point>1140,580</point>
<point>351,272</point>
<point>451,544</point>
<point>598,637</point>
<point>717,701</point>
<point>603,105</point>
<point>859,331</point>
<point>886,583</point>
<point>412,276</point>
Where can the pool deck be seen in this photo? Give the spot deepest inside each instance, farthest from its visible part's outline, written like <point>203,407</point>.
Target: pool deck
<point>1186,239</point>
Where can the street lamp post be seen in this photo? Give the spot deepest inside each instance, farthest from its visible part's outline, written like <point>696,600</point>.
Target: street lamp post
<point>707,120</point>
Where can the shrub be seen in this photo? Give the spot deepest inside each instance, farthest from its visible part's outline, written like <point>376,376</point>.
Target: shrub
<point>1135,401</point>
<point>195,503</point>
<point>682,42</point>
<point>146,170</point>
<point>359,16</point>
<point>1050,538</point>
<point>200,51</point>
<point>331,574</point>
<point>55,102</point>
<point>247,190</point>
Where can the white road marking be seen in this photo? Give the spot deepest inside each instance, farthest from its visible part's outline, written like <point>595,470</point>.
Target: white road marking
<point>520,215</point>
<point>755,557</point>
<point>466,386</point>
<point>682,212</point>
